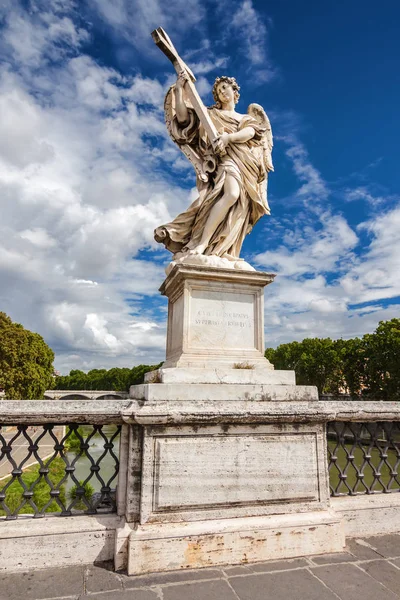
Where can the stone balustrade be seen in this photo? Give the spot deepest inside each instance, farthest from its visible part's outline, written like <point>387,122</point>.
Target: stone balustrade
<point>28,542</point>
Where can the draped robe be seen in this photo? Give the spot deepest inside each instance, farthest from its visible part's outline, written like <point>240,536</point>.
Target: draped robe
<point>243,161</point>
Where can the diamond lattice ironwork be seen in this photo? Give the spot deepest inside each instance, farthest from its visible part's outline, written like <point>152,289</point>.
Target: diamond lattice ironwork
<point>63,469</point>
<point>364,458</point>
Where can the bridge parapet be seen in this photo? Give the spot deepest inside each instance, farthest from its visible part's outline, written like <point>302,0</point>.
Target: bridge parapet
<point>100,512</point>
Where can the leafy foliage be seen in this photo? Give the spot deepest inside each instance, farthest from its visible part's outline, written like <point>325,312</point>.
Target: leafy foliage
<point>26,361</point>
<point>369,366</point>
<point>41,490</point>
<point>73,443</point>
<point>382,360</point>
<point>117,379</point>
<point>88,491</point>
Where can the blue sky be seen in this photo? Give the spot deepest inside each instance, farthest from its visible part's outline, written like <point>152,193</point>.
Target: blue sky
<point>87,169</point>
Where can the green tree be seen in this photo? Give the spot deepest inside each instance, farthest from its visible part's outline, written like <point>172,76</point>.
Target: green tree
<point>117,379</point>
<point>351,371</point>
<point>314,360</point>
<point>382,361</point>
<point>137,373</point>
<point>26,361</point>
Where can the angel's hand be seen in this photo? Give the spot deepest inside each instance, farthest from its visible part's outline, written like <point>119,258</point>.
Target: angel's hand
<point>222,142</point>
<point>183,77</point>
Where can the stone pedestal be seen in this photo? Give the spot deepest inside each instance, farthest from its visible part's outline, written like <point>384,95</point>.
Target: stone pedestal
<point>232,461</point>
<point>215,317</point>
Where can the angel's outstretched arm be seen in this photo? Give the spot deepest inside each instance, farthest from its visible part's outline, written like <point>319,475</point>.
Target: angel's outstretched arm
<point>182,113</point>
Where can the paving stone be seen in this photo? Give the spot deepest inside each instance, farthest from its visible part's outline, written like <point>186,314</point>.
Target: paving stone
<point>279,565</point>
<point>101,580</point>
<point>338,557</point>
<point>121,595</point>
<point>37,585</point>
<point>204,590</point>
<point>396,562</point>
<point>387,545</point>
<point>360,550</point>
<point>350,583</point>
<point>385,573</point>
<point>237,570</point>
<point>136,581</point>
<point>286,585</point>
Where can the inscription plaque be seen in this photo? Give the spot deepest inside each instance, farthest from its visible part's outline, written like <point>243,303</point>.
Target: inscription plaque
<point>203,471</point>
<point>222,323</point>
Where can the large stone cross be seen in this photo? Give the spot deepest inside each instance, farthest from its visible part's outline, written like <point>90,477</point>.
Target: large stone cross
<point>163,41</point>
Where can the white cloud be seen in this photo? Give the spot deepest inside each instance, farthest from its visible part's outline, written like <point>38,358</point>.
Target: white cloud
<point>251,34</point>
<point>363,193</point>
<point>135,19</point>
<point>333,278</point>
<point>45,34</point>
<point>82,191</point>
<point>313,186</point>
<point>82,188</point>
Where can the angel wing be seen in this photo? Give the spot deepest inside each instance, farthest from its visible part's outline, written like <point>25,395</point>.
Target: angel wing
<point>203,165</point>
<point>258,113</point>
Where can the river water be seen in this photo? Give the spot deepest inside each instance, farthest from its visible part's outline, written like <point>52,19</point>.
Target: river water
<point>96,449</point>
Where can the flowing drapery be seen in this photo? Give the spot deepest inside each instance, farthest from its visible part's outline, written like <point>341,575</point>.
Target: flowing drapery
<point>242,161</point>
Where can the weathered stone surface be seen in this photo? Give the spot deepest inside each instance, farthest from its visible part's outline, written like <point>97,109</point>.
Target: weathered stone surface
<point>360,549</point>
<point>237,468</point>
<point>369,514</point>
<point>232,541</point>
<point>126,595</point>
<point>200,472</point>
<point>30,543</point>
<point>215,317</point>
<point>278,565</point>
<point>65,411</point>
<point>207,590</point>
<point>396,562</point>
<point>232,412</point>
<point>214,392</point>
<point>32,585</point>
<point>118,411</point>
<point>286,580</point>
<point>99,579</point>
<point>159,579</point>
<point>338,557</point>
<point>350,583</point>
<point>386,545</point>
<point>288,585</point>
<point>221,376</point>
<point>385,573</point>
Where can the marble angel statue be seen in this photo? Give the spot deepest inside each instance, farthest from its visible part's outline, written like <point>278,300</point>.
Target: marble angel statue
<point>231,153</point>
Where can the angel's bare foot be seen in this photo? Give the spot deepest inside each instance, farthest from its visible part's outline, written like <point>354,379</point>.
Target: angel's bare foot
<point>198,249</point>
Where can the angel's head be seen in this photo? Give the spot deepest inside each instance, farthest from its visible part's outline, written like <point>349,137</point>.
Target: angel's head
<point>223,88</point>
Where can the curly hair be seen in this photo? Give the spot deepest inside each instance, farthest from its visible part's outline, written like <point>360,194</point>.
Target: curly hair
<point>232,81</point>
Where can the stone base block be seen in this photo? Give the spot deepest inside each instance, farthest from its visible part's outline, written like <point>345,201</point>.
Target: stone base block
<point>156,392</point>
<point>173,546</point>
<point>57,542</point>
<point>220,375</point>
<point>215,317</point>
<point>368,515</point>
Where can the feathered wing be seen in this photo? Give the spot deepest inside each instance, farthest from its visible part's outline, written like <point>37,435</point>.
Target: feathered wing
<point>258,113</point>
<point>188,150</point>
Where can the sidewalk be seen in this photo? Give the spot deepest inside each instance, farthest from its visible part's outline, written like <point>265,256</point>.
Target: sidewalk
<point>369,569</point>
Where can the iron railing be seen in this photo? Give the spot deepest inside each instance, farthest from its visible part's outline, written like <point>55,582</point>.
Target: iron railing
<point>59,469</point>
<point>364,458</point>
